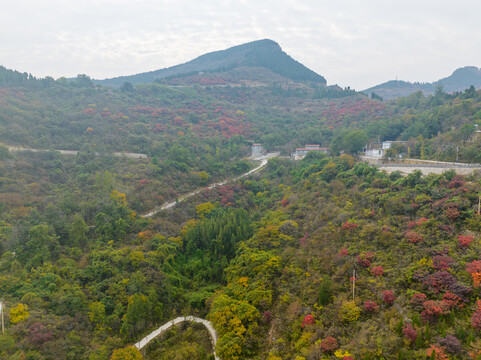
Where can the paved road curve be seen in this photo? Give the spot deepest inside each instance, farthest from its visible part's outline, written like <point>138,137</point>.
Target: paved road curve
<point>176,321</point>
<point>169,205</point>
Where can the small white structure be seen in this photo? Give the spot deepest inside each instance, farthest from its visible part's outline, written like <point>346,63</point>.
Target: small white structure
<point>257,151</point>
<point>378,149</point>
<point>300,153</point>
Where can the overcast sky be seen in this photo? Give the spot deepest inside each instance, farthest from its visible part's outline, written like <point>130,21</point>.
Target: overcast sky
<point>357,43</point>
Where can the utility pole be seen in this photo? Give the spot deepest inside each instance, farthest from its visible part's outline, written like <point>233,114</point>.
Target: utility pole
<point>1,311</point>
<point>353,283</point>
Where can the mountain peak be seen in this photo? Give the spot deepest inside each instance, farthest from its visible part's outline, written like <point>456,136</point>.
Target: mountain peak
<point>260,54</point>
<point>459,80</point>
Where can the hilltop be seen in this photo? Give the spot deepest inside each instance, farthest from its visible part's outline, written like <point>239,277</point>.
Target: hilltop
<point>459,80</point>
<point>258,60</point>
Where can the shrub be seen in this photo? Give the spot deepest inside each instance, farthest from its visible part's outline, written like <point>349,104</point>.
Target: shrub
<point>377,271</point>
<point>38,334</point>
<point>128,353</point>
<point>371,306</point>
<point>433,309</point>
<point>19,313</point>
<point>452,301</point>
<point>451,344</point>
<point>464,241</point>
<point>340,354</point>
<point>452,213</point>
<point>443,280</point>
<point>328,345</point>
<point>474,267</point>
<point>410,333</point>
<point>308,320</point>
<point>364,259</point>
<point>349,226</point>
<point>350,311</point>
<point>412,224</point>
<point>476,279</point>
<point>267,316</point>
<point>438,351</point>
<point>476,317</point>
<point>441,262</point>
<point>413,237</point>
<point>388,297</point>
<point>418,299</point>
<point>421,221</point>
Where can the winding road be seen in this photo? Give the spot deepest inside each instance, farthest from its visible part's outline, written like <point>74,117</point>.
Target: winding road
<point>176,321</point>
<point>213,335</point>
<point>169,205</point>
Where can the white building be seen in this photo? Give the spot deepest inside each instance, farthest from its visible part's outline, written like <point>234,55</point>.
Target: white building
<point>257,151</point>
<point>300,153</point>
<point>378,149</point>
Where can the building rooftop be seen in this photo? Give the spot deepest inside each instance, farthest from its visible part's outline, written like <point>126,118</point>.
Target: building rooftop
<point>310,149</point>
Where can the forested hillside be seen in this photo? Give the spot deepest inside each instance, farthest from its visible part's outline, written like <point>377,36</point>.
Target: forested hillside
<point>268,259</point>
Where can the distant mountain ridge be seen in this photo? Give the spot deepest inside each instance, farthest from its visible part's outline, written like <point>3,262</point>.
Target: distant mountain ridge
<point>459,80</point>
<point>257,54</point>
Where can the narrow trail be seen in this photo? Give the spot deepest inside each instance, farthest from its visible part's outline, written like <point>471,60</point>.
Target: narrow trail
<point>213,334</point>
<point>169,205</point>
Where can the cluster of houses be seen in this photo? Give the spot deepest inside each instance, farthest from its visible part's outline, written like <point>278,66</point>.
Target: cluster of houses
<point>373,150</point>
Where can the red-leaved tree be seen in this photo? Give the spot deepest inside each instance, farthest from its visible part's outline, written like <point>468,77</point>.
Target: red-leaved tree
<point>388,297</point>
<point>371,306</point>
<point>464,241</point>
<point>308,320</point>
<point>413,237</point>
<point>364,259</point>
<point>418,299</point>
<point>476,317</point>
<point>377,271</point>
<point>329,344</point>
<point>433,309</point>
<point>410,333</point>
